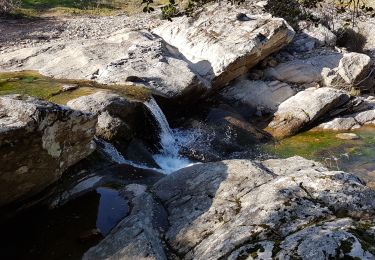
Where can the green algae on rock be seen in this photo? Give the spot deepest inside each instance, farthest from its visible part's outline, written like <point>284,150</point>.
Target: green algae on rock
<point>31,83</point>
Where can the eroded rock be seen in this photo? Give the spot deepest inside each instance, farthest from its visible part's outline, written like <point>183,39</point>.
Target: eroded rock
<point>38,142</point>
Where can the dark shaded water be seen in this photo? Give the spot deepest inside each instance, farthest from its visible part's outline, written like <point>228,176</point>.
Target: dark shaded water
<point>62,233</point>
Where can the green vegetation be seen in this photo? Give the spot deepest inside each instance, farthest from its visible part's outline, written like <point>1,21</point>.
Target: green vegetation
<point>33,84</point>
<point>36,8</point>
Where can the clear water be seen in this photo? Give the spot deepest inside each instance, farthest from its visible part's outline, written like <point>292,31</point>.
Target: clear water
<point>356,156</point>
<point>65,232</point>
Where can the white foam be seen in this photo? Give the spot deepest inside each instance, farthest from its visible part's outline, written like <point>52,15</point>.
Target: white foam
<point>171,141</point>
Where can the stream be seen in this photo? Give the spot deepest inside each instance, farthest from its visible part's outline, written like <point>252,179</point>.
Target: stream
<point>70,227</point>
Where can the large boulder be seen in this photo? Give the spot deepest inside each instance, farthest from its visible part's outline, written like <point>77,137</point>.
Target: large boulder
<point>242,209</point>
<point>124,56</point>
<point>38,142</point>
<point>264,96</point>
<point>354,67</point>
<point>225,41</point>
<point>119,118</point>
<point>305,109</point>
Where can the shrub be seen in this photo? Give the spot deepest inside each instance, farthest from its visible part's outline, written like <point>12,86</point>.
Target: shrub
<point>350,39</point>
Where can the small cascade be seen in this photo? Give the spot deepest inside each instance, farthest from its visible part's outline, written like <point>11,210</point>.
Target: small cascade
<point>117,157</point>
<point>111,151</point>
<point>169,158</point>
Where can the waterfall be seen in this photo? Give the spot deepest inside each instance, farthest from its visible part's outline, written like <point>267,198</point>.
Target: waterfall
<point>111,151</point>
<point>169,158</point>
<point>171,141</point>
<point>117,157</point>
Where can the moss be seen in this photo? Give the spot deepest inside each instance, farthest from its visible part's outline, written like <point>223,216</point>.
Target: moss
<point>367,240</point>
<point>276,248</point>
<point>27,83</point>
<point>346,245</point>
<point>33,84</point>
<point>348,155</point>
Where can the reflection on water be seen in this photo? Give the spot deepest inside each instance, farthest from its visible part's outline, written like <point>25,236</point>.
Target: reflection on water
<point>62,233</point>
<point>112,208</point>
<point>356,156</point>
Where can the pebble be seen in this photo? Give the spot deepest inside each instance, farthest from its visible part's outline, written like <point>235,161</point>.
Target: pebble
<point>347,136</point>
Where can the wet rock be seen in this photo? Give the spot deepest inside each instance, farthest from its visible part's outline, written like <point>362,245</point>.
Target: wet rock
<point>223,134</point>
<point>305,109</point>
<point>69,87</point>
<point>137,236</point>
<point>119,118</point>
<point>347,136</point>
<point>220,46</point>
<point>137,152</point>
<point>265,95</point>
<point>38,142</point>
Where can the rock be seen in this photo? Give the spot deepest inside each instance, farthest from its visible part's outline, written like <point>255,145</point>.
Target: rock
<point>312,36</point>
<point>339,124</point>
<point>304,70</point>
<point>350,122</point>
<point>120,57</point>
<point>137,152</point>
<point>119,118</point>
<point>38,142</point>
<point>221,47</point>
<point>137,236</point>
<point>366,27</point>
<point>347,136</point>
<point>341,71</point>
<point>237,207</point>
<point>318,242</point>
<point>223,134</point>
<point>110,128</point>
<point>240,209</point>
<point>354,67</point>
<point>305,109</point>
<point>69,87</point>
<point>267,95</point>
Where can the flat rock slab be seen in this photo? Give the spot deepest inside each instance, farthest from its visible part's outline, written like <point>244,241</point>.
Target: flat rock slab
<point>221,46</point>
<point>265,96</point>
<point>245,209</point>
<point>38,142</point>
<point>122,57</point>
